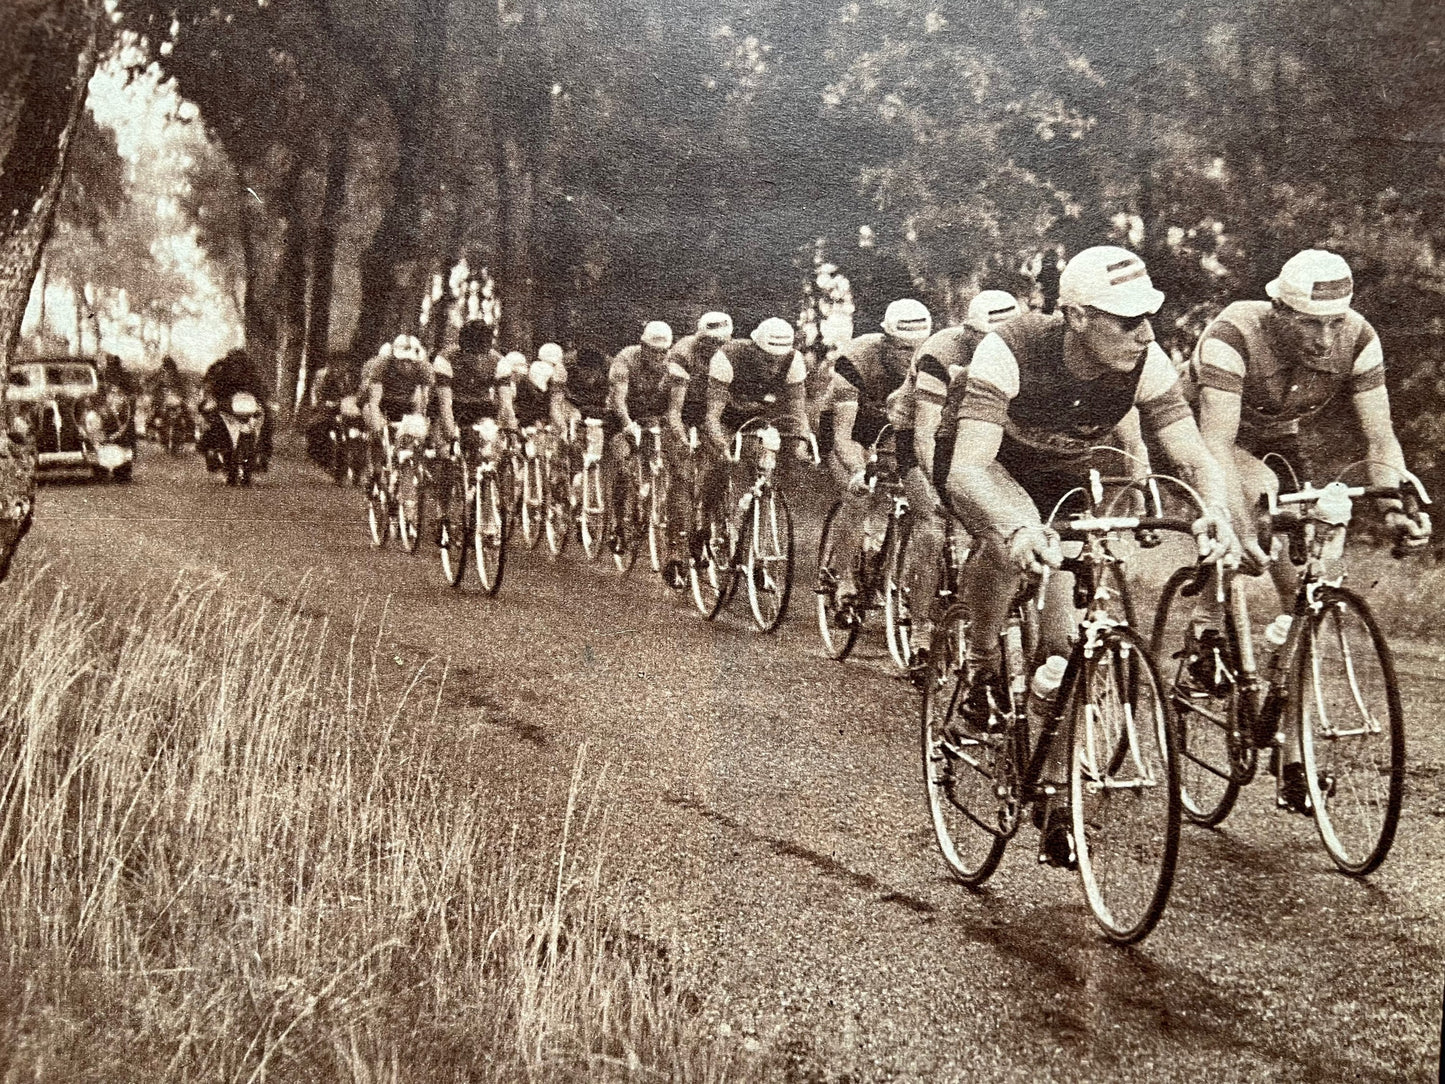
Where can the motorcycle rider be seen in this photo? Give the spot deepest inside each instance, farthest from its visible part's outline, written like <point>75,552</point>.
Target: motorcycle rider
<point>232,374</point>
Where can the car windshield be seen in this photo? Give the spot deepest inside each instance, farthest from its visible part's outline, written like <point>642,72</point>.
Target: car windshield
<point>70,376</point>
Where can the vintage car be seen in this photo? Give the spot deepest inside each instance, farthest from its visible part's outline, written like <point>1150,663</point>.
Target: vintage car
<point>75,421</point>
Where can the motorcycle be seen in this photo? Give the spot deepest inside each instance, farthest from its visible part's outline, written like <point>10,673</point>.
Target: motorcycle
<point>241,419</point>
<point>346,443</point>
<point>107,428</point>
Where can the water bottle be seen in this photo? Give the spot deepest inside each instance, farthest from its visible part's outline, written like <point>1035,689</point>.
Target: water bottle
<point>1044,689</point>
<point>1266,723</point>
<point>1275,634</point>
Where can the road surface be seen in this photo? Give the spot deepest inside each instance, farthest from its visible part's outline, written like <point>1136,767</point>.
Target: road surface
<point>769,818</point>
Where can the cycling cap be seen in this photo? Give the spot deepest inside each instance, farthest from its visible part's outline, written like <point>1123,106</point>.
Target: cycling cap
<point>550,353</point>
<point>398,346</point>
<point>715,325</point>
<point>385,351</point>
<point>657,335</point>
<point>908,320</point>
<point>1314,282</point>
<point>1111,279</point>
<point>514,364</point>
<point>990,309</point>
<point>775,336</point>
<point>540,374</point>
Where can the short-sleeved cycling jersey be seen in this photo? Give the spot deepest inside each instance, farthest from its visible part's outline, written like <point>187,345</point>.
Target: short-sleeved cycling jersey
<point>1238,355</point>
<point>533,406</point>
<point>867,371</point>
<point>472,378</point>
<point>399,378</point>
<point>1050,417</point>
<point>649,386</point>
<point>756,380</point>
<point>938,375</point>
<point>692,353</point>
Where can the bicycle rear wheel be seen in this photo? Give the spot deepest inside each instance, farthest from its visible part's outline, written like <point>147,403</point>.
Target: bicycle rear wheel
<point>1352,731</point>
<point>489,532</point>
<point>454,534</point>
<point>378,510</point>
<point>1124,787</point>
<point>1210,745</point>
<point>897,622</point>
<point>961,767</point>
<point>410,503</point>
<point>768,559</point>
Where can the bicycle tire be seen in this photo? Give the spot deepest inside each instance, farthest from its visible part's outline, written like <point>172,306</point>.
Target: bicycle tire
<point>897,627</point>
<point>454,535</point>
<point>624,532</point>
<point>768,559</point>
<point>489,532</point>
<point>410,503</point>
<point>1123,775</point>
<point>591,511</point>
<point>712,568</point>
<point>838,630</point>
<point>558,504</point>
<point>657,521</point>
<point>532,503</point>
<point>960,769</point>
<point>1355,769</point>
<point>1210,742</point>
<point>340,456</point>
<point>378,511</point>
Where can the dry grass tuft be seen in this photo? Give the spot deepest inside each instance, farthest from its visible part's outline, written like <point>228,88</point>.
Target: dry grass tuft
<point>224,857</point>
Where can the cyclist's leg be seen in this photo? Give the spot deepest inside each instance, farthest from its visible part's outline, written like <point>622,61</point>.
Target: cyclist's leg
<point>855,508</point>
<point>615,465</point>
<point>925,545</point>
<point>676,456</point>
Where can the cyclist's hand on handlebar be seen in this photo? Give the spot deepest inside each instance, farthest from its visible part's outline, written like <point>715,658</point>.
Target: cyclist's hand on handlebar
<point>1253,559</point>
<point>858,484</point>
<point>1217,541</point>
<point>807,448</point>
<point>1034,549</point>
<point>1412,532</point>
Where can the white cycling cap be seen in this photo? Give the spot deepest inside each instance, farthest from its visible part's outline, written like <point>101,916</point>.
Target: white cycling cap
<point>540,374</point>
<point>551,354</point>
<point>908,320</point>
<point>715,325</point>
<point>657,335</point>
<point>990,309</point>
<point>1314,282</point>
<point>1110,279</point>
<point>775,336</point>
<point>514,363</point>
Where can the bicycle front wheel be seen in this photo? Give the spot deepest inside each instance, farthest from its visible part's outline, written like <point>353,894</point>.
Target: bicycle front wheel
<point>454,533</point>
<point>1352,731</point>
<point>768,559</point>
<point>559,503</point>
<point>378,510</point>
<point>657,521</point>
<point>962,767</point>
<point>591,511</point>
<point>1210,745</point>
<point>897,620</point>
<point>1124,787</point>
<point>837,626</point>
<point>410,504</point>
<point>489,533</point>
<point>532,505</point>
<point>712,564</point>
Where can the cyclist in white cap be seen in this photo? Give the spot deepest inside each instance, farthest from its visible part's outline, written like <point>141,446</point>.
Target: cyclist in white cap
<point>644,387</point>
<point>867,370</point>
<point>932,386</point>
<point>1040,392</point>
<point>396,385</point>
<point>693,353</point>
<point>1262,368</point>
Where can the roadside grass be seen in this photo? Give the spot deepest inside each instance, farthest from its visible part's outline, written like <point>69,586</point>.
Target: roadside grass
<point>225,855</point>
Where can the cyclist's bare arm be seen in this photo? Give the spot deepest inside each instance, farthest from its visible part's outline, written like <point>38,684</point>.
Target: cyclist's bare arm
<point>1386,459</point>
<point>926,417</point>
<point>375,420</point>
<point>676,396</point>
<point>445,412</point>
<point>557,408</point>
<point>1219,413</point>
<point>795,398</point>
<point>982,491</point>
<point>1187,451</point>
<point>849,452</point>
<point>1130,438</point>
<point>718,394</point>
<point>617,400</point>
<point>506,410</point>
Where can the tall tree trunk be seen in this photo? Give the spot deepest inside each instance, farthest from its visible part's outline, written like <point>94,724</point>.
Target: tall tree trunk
<point>393,274</point>
<point>290,311</point>
<point>323,251</point>
<point>48,54</point>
